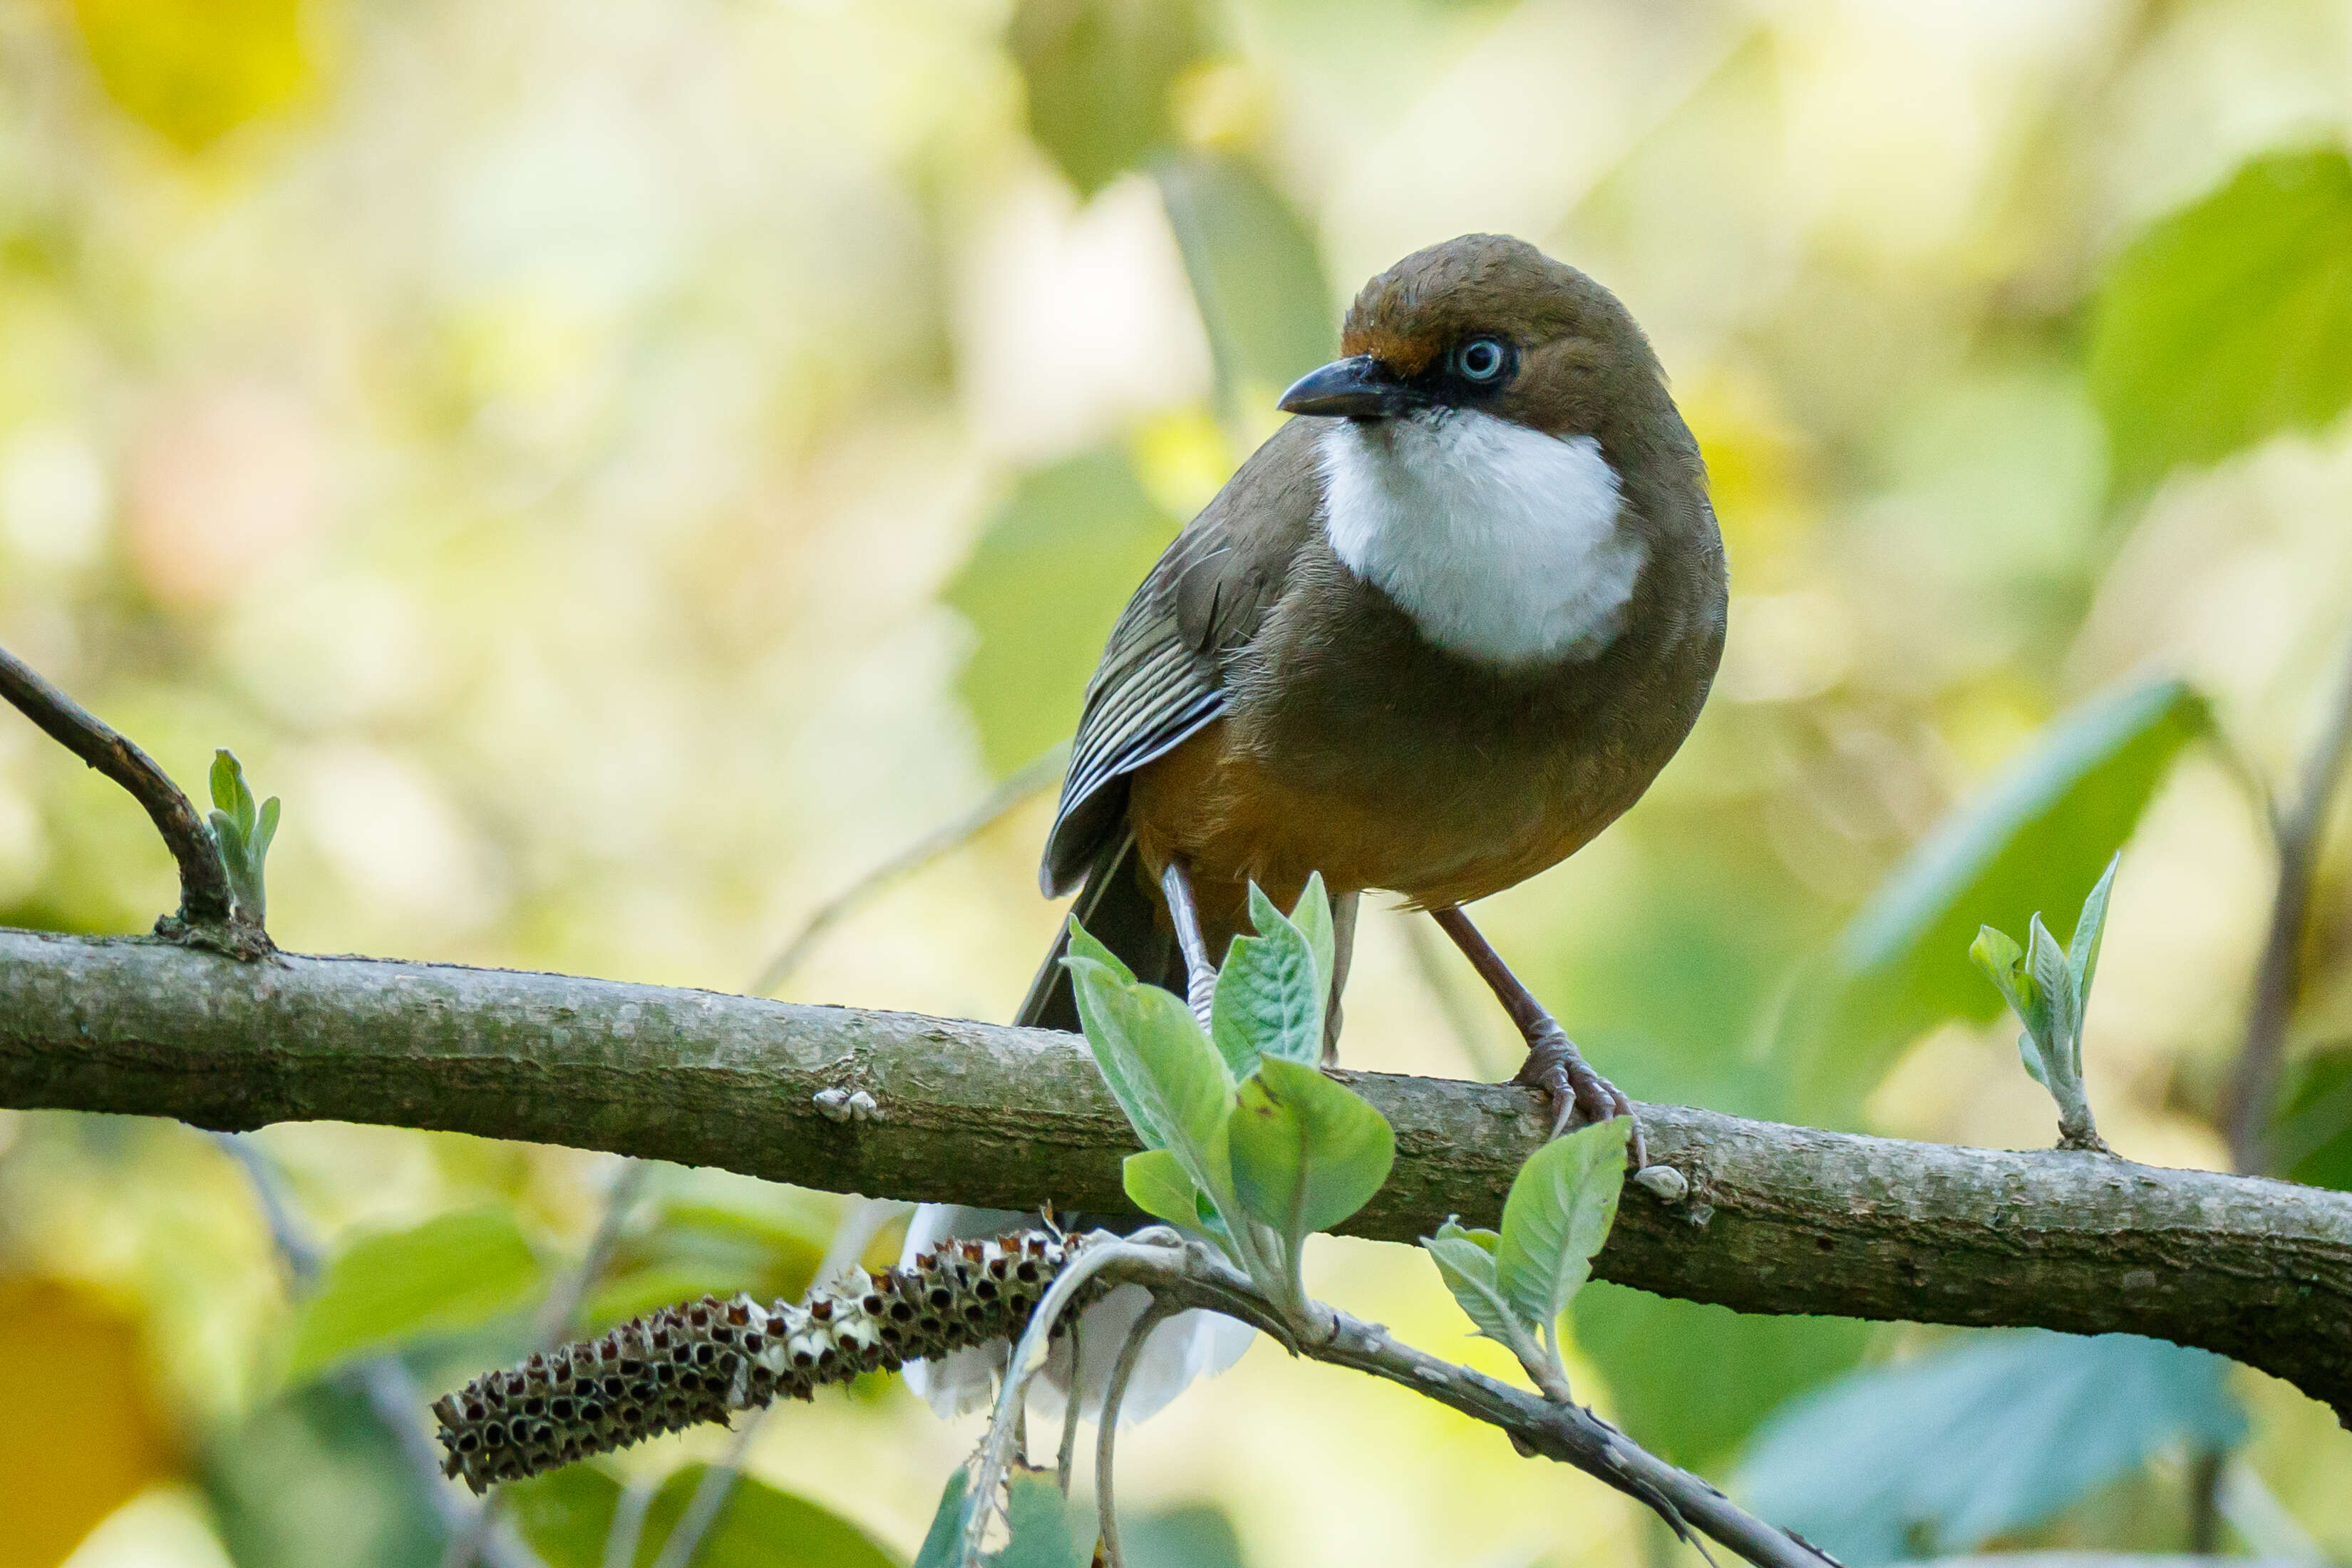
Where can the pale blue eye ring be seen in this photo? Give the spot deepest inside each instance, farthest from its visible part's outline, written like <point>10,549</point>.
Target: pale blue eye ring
<point>1481,358</point>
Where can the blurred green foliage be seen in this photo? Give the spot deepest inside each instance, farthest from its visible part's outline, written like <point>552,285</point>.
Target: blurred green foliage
<point>315,1477</point>
<point>1099,75</point>
<point>1943,1453</point>
<point>1048,578</point>
<point>454,1271</point>
<point>567,1518</point>
<point>2230,320</point>
<point>1256,274</point>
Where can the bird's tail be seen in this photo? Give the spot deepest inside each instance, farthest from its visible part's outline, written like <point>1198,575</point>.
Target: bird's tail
<point>1121,910</point>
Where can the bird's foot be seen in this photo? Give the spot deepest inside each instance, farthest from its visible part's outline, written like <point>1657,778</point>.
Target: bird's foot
<point>1580,1096</point>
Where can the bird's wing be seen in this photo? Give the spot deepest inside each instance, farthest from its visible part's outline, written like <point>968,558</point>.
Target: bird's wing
<point>1161,678</point>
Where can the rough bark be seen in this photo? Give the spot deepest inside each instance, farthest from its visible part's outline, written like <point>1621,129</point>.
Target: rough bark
<point>1778,1218</point>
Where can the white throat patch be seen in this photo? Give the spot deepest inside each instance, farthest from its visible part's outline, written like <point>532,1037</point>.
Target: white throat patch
<point>1500,541</point>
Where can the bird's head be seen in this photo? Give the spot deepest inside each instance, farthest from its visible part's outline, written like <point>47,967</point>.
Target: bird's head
<point>1491,324</point>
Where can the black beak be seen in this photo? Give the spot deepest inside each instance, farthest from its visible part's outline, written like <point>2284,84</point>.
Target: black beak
<point>1359,387</point>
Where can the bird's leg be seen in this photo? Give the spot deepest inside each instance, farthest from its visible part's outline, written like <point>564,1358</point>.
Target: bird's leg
<point>1554,1064</point>
<point>1343,949</point>
<point>1200,974</point>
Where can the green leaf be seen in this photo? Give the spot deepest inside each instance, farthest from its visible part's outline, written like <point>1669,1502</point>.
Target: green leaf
<point>1691,1379</point>
<point>565,1515</point>
<point>2090,931</point>
<point>1306,1151</point>
<point>230,792</point>
<point>1270,995</point>
<point>1046,1531</point>
<point>2310,1136</point>
<point>943,1541</point>
<point>264,832</point>
<point>1562,1202</point>
<point>2230,320</point>
<point>1997,954</point>
<point>760,1527</point>
<point>1940,1454</point>
<point>1077,536</point>
<point>2062,1024</point>
<point>1312,915</point>
<point>1258,274</point>
<point>313,1477</point>
<point>2029,1053</point>
<point>451,1272</point>
<point>1163,1070</point>
<point>2039,833</point>
<point>1084,944</point>
<point>1158,1184</point>
<point>1466,1261</point>
<point>1099,74</point>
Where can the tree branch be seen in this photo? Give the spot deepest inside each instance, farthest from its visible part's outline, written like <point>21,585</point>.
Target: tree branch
<point>204,881</point>
<point>1778,1218</point>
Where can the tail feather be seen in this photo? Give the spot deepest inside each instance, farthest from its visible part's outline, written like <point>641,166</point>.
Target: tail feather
<point>1120,910</point>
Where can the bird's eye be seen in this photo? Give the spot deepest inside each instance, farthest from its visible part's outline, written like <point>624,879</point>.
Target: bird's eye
<point>1481,358</point>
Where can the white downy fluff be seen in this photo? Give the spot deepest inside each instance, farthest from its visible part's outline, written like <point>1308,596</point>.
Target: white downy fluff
<point>1500,541</point>
<point>1187,1346</point>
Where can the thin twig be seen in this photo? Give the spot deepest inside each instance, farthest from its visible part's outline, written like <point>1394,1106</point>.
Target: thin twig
<point>711,1497</point>
<point>204,900</point>
<point>1032,777</point>
<point>1560,1430</point>
<point>1065,1457</point>
<point>385,1381</point>
<point>628,1526</point>
<point>2278,980</point>
<point>1158,1244</point>
<point>1130,1350</point>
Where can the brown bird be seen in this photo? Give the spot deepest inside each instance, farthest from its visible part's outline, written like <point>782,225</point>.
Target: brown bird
<point>1430,638</point>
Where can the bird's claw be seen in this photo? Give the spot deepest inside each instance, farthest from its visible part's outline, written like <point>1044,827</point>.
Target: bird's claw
<point>1579,1095</point>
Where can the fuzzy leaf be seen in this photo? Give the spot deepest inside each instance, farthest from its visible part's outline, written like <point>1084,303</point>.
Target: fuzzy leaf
<point>1270,993</point>
<point>1306,1150</point>
<point>1158,1184</point>
<point>264,832</point>
<point>2090,931</point>
<point>450,1272</point>
<point>1562,1206</point>
<point>1163,1070</point>
<point>2061,1030</point>
<point>1466,1261</point>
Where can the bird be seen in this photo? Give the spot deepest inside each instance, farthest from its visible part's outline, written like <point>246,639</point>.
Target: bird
<point>1445,626</point>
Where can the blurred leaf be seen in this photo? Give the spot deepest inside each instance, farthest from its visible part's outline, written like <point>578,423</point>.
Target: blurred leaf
<point>2031,841</point>
<point>567,1515</point>
<point>1046,1531</point>
<point>2091,933</point>
<point>1307,1152</point>
<point>711,1241</point>
<point>1561,1204</point>
<point>1163,1070</point>
<point>1257,275</point>
<point>760,1527</point>
<point>1195,1535</point>
<point>1271,990</point>
<point>1099,74</point>
<point>1949,1450</point>
<point>2231,320</point>
<point>941,1541</point>
<point>194,71</point>
<point>2311,1135</point>
<point>1466,1261</point>
<point>316,1477</point>
<point>78,1433</point>
<point>1688,1380</point>
<point>1042,587</point>
<point>451,1272</point>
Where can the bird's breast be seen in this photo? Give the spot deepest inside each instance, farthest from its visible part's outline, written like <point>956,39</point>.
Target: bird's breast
<point>1504,545</point>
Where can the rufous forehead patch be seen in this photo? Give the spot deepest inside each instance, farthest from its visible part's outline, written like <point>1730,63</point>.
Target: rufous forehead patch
<point>1406,355</point>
